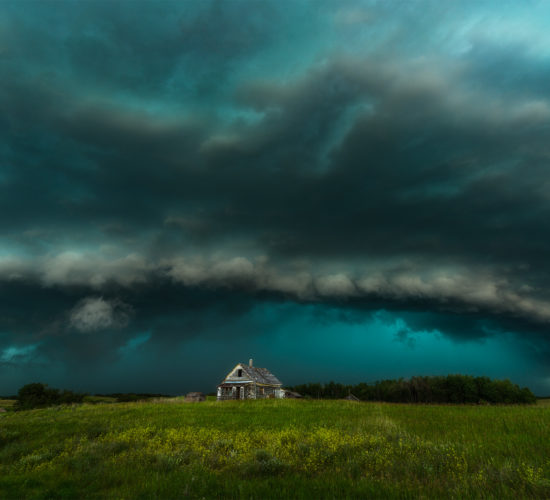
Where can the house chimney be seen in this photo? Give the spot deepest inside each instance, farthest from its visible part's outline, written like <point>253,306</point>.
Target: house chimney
<point>250,362</point>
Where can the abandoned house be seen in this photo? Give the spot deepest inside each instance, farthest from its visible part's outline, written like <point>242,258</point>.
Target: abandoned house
<point>249,382</point>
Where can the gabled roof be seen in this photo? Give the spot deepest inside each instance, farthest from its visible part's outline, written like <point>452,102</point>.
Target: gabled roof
<point>255,374</point>
<point>261,375</point>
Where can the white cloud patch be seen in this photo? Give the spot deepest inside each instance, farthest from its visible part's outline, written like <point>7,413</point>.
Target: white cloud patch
<point>239,272</point>
<point>93,270</point>
<point>12,268</point>
<point>94,313</point>
<point>335,285</point>
<point>462,290</point>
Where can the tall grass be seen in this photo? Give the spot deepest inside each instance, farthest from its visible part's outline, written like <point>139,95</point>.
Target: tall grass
<point>274,449</point>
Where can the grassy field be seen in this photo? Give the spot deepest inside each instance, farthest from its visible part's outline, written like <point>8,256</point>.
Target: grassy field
<point>275,449</point>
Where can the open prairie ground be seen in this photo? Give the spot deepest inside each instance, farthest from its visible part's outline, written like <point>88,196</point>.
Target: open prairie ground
<point>275,449</point>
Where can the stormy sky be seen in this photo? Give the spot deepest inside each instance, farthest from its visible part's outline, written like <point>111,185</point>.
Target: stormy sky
<point>346,191</point>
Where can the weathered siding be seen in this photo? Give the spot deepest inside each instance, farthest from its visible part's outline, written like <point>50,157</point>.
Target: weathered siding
<point>247,382</point>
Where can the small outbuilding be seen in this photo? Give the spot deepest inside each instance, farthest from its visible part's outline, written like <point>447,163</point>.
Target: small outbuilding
<point>351,397</point>
<point>250,382</point>
<point>195,397</point>
<point>292,395</point>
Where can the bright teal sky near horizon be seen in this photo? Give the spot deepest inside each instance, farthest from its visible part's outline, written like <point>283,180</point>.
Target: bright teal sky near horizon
<point>343,191</point>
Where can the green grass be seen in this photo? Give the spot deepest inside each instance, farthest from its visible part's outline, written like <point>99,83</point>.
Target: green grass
<point>99,399</point>
<point>275,449</point>
<point>7,403</point>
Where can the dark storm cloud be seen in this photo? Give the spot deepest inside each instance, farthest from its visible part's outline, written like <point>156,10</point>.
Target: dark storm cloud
<point>228,148</point>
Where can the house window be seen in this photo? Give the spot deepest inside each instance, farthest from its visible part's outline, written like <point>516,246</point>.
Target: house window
<point>239,372</point>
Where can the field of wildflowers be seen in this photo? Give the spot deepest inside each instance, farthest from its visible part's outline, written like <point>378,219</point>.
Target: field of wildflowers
<point>274,449</point>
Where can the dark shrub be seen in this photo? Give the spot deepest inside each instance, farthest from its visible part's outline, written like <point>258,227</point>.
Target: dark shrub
<point>38,395</point>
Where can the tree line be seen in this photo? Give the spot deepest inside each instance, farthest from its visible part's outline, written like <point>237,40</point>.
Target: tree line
<point>37,395</point>
<point>458,389</point>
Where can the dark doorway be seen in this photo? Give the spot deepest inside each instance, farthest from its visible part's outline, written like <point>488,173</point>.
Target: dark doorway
<point>238,393</point>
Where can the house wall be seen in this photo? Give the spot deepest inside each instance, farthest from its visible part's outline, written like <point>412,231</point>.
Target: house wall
<point>226,393</point>
<point>266,392</point>
<point>251,392</point>
<point>249,389</point>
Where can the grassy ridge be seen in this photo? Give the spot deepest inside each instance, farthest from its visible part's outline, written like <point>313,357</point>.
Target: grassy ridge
<point>265,449</point>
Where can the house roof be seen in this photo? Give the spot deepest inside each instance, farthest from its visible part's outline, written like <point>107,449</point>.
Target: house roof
<point>261,375</point>
<point>257,375</point>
